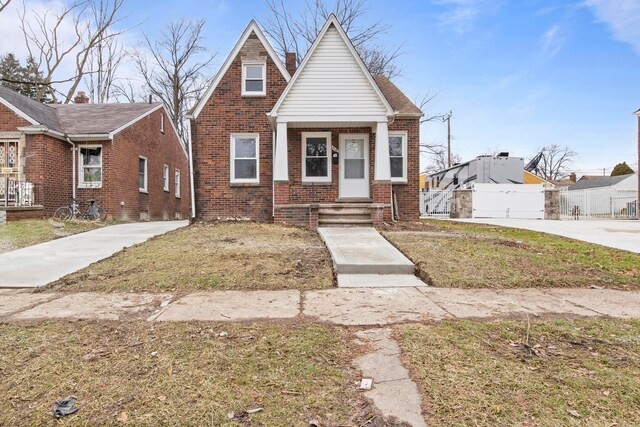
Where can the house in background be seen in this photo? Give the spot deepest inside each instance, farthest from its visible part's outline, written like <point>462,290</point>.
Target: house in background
<point>326,143</point>
<point>531,178</point>
<point>127,157</point>
<point>607,183</point>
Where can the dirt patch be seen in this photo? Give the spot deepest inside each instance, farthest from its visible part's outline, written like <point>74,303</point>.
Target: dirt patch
<point>217,256</point>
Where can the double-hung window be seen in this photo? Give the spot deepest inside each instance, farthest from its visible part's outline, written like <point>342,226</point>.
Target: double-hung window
<point>398,156</point>
<point>165,178</point>
<point>162,122</point>
<point>244,166</point>
<point>142,174</point>
<point>177,183</point>
<point>316,156</point>
<point>90,169</point>
<point>254,78</point>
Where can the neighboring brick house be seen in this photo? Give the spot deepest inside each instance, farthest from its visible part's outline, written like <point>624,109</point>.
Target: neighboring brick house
<point>327,143</point>
<point>128,158</point>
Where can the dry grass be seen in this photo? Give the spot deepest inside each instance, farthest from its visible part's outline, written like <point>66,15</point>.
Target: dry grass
<point>19,234</point>
<point>580,373</point>
<point>196,378</point>
<point>230,256</point>
<point>477,256</point>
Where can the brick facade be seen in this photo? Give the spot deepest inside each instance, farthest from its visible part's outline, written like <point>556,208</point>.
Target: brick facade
<point>227,112</point>
<point>47,161</point>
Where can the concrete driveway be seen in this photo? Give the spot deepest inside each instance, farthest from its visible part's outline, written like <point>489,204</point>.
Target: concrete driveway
<point>615,234</point>
<point>39,265</point>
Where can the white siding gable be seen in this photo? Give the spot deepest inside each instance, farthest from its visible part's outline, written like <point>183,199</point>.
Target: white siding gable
<point>331,84</point>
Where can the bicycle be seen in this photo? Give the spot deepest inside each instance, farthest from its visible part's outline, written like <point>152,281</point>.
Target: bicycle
<point>92,213</point>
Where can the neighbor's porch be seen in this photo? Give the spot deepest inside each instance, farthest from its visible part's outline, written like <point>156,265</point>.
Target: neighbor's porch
<point>332,173</point>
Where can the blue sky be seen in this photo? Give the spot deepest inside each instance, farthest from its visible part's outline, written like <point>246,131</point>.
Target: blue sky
<point>517,74</point>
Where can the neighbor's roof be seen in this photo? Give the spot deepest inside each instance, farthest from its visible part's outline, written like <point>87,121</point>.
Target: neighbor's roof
<point>603,181</point>
<point>563,182</point>
<point>398,100</point>
<point>32,111</point>
<point>76,119</point>
<point>100,118</point>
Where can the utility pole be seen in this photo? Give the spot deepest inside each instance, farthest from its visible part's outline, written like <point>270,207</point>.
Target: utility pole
<point>447,118</point>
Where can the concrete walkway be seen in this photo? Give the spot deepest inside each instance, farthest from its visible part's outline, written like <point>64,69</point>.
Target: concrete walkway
<point>618,234</point>
<point>38,265</point>
<point>349,307</point>
<point>362,258</point>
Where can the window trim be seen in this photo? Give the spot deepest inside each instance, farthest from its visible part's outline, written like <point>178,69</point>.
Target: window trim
<point>405,136</point>
<point>162,122</point>
<point>232,158</point>
<point>245,92</point>
<point>165,179</point>
<point>81,182</point>
<point>146,175</point>
<point>177,181</point>
<point>303,148</point>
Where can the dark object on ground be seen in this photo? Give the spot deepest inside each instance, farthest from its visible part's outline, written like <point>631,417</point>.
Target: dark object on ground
<point>65,407</point>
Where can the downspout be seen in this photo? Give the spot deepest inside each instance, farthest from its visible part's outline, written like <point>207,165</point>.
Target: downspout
<point>73,167</point>
<point>191,177</point>
<point>273,182</point>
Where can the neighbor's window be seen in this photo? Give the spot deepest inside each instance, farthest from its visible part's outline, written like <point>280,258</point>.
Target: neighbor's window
<point>177,183</point>
<point>316,156</point>
<point>90,169</point>
<point>244,158</point>
<point>254,77</point>
<point>398,156</point>
<point>165,178</point>
<point>142,174</point>
<point>162,122</point>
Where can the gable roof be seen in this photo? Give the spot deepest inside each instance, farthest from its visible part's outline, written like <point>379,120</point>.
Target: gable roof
<point>332,22</point>
<point>397,99</point>
<point>32,111</point>
<point>603,181</point>
<point>637,113</point>
<point>252,28</point>
<point>76,120</point>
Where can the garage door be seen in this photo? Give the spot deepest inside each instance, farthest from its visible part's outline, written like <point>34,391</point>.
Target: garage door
<point>525,201</point>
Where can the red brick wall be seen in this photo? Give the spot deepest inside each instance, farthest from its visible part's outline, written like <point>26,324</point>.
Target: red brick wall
<point>407,195</point>
<point>227,112</point>
<point>10,121</point>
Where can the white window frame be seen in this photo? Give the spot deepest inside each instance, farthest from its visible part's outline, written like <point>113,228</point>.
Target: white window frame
<point>165,178</point>
<point>303,147</point>
<point>404,135</point>
<point>177,182</point>
<point>162,122</point>
<point>232,158</point>
<point>146,175</point>
<point>245,92</point>
<point>81,183</point>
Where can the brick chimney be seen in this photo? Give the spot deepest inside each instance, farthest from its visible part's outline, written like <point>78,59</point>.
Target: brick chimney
<point>572,177</point>
<point>81,98</point>
<point>290,62</point>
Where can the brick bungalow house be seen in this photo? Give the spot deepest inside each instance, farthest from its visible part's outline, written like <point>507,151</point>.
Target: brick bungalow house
<point>327,143</point>
<point>127,157</point>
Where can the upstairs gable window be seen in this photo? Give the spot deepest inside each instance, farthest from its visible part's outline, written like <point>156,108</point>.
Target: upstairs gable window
<point>254,78</point>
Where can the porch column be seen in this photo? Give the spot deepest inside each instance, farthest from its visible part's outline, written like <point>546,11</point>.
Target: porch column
<point>382,169</point>
<point>280,161</point>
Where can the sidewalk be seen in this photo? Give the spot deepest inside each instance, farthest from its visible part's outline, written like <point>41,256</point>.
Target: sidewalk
<point>351,307</point>
<point>38,265</point>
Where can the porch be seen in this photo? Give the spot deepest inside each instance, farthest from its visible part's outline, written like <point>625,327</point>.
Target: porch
<point>18,200</point>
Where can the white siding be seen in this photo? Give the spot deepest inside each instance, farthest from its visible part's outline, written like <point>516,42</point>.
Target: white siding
<point>332,84</point>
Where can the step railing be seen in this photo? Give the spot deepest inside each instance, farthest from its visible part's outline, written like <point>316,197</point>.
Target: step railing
<point>16,193</point>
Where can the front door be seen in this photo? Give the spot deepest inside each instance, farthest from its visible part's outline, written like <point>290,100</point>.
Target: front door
<point>354,166</point>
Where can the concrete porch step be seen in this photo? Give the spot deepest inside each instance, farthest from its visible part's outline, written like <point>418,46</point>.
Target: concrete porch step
<point>378,281</point>
<point>344,211</point>
<point>343,222</point>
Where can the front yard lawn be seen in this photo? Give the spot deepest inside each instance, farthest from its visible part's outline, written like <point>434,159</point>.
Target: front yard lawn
<point>19,234</point>
<point>555,373</point>
<point>148,374</point>
<point>229,256</point>
<point>450,254</point>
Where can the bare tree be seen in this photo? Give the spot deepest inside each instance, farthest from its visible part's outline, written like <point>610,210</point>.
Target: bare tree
<point>556,162</point>
<point>124,89</point>
<point>296,33</point>
<point>437,159</point>
<point>104,61</point>
<point>436,153</point>
<point>172,66</point>
<point>4,4</point>
<point>92,21</point>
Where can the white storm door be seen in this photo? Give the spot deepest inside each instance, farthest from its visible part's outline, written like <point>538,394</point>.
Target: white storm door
<point>354,166</point>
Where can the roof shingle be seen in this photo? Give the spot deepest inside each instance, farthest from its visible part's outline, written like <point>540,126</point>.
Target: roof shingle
<point>603,181</point>
<point>398,100</point>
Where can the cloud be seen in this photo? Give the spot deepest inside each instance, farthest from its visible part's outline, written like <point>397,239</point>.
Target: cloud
<point>461,15</point>
<point>621,16</point>
<point>552,41</point>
